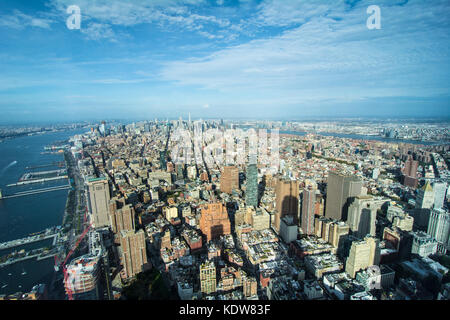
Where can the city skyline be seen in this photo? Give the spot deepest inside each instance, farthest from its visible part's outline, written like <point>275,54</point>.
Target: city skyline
<point>191,151</point>
<point>254,59</point>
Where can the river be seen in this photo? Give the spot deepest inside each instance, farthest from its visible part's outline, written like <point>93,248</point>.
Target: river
<point>28,214</point>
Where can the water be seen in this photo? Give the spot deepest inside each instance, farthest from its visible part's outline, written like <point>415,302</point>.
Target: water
<point>364,137</point>
<point>24,215</point>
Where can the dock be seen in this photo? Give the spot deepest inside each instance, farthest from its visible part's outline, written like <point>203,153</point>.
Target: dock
<point>60,164</point>
<point>46,234</point>
<point>31,192</point>
<point>20,183</point>
<point>41,255</point>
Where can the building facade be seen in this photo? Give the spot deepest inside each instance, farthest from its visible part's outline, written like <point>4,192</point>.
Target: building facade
<point>214,220</point>
<point>251,186</point>
<point>308,208</point>
<point>134,253</point>
<point>340,187</point>
<point>287,201</point>
<point>98,201</point>
<point>229,179</point>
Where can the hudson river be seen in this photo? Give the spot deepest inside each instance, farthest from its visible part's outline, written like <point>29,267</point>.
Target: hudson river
<point>28,214</point>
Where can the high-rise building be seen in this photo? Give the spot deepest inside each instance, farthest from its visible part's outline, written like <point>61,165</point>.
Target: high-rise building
<point>82,278</point>
<point>214,220</point>
<point>440,190</point>
<point>363,254</point>
<point>122,216</point>
<point>339,188</point>
<point>338,230</point>
<point>251,186</point>
<point>134,254</point>
<point>287,201</point>
<point>249,287</point>
<point>229,179</point>
<point>208,277</point>
<point>162,160</point>
<point>98,201</point>
<point>425,197</point>
<point>308,208</point>
<point>423,244</point>
<point>362,213</point>
<point>259,218</point>
<point>410,173</point>
<point>288,229</point>
<point>439,228</point>
<point>102,128</point>
<point>410,168</point>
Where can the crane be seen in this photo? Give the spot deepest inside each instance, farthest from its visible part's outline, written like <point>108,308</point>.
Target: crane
<point>63,264</point>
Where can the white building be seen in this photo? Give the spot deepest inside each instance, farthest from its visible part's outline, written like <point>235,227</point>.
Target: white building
<point>312,290</point>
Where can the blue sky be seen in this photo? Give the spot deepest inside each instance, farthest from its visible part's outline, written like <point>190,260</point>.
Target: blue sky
<point>276,59</point>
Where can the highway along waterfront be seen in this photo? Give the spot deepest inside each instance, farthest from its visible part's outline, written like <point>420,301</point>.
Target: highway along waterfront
<point>24,215</point>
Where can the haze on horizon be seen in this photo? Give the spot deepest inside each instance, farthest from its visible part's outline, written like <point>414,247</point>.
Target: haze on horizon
<point>261,59</point>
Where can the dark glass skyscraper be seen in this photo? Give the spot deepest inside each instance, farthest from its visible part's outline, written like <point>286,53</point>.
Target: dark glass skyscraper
<point>251,187</point>
<point>162,160</point>
<point>340,187</point>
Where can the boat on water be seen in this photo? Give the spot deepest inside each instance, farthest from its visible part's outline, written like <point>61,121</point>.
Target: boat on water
<point>9,274</point>
<point>24,272</point>
<point>4,286</point>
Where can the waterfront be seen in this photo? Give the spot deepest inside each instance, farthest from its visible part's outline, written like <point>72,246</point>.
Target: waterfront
<point>22,216</point>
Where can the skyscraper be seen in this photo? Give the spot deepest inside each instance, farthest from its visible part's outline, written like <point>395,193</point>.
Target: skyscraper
<point>362,213</point>
<point>439,228</point>
<point>287,201</point>
<point>410,168</point>
<point>308,206</point>
<point>425,197</point>
<point>134,253</point>
<point>122,216</point>
<point>162,160</point>
<point>337,234</point>
<point>208,277</point>
<point>440,190</point>
<point>251,186</point>
<point>98,201</point>
<point>410,173</point>
<point>229,179</point>
<point>214,220</point>
<point>82,278</point>
<point>339,188</point>
<point>363,254</point>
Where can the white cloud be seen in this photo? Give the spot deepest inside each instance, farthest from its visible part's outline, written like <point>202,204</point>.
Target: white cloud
<point>129,13</point>
<point>331,54</point>
<point>97,31</point>
<point>119,81</point>
<point>20,20</point>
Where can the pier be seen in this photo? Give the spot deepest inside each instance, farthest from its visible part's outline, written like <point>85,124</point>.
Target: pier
<point>20,183</point>
<point>27,193</point>
<point>39,254</point>
<point>46,234</point>
<point>53,164</point>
